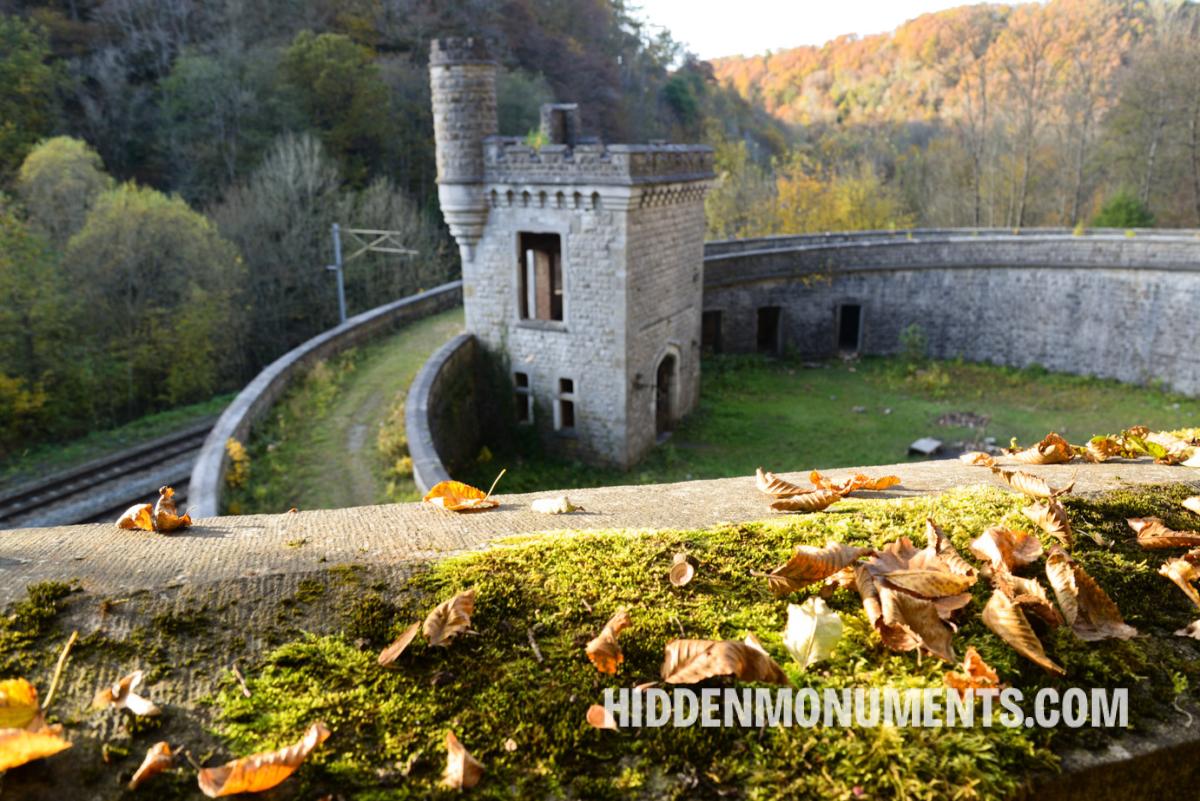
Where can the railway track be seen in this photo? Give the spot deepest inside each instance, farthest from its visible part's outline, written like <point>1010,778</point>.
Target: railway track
<point>98,491</point>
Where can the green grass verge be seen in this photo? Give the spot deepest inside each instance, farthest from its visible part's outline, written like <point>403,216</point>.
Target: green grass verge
<point>389,724</point>
<point>785,416</point>
<point>322,447</point>
<point>52,457</point>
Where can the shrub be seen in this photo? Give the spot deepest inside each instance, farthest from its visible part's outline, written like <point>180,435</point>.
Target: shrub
<point>59,181</point>
<point>914,345</point>
<point>1123,210</point>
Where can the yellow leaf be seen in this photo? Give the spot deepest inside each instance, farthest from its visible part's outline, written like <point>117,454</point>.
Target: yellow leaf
<point>463,771</point>
<point>603,650</point>
<point>138,516</point>
<point>18,703</point>
<point>18,746</point>
<point>450,618</point>
<point>259,772</point>
<point>165,518</point>
<point>158,759</point>
<point>459,497</point>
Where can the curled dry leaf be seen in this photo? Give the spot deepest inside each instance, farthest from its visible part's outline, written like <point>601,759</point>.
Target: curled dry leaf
<point>809,565</point>
<point>1028,594</point>
<point>921,619</point>
<point>1051,450</point>
<point>603,650</point>
<point>600,718</point>
<point>165,517</point>
<point>1006,547</point>
<point>977,459</point>
<point>122,694</point>
<point>138,516</point>
<point>1192,504</point>
<point>975,675</point>
<point>682,570</point>
<point>1004,616</point>
<point>770,484</point>
<point>19,746</point>
<point>690,661</point>
<point>463,771</point>
<point>459,497</point>
<point>555,506</point>
<point>1183,573</point>
<point>928,583</point>
<point>450,618</point>
<point>259,772</point>
<point>1086,607</point>
<point>1031,485</point>
<point>813,630</point>
<point>1101,449</point>
<point>855,483</point>
<point>813,501</point>
<point>389,655</point>
<point>923,572</point>
<point>940,544</point>
<point>1051,517</point>
<point>1152,534</point>
<point>158,759</point>
<point>1190,630</point>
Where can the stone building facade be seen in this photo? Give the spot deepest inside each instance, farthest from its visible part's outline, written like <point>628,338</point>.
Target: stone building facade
<point>582,263</point>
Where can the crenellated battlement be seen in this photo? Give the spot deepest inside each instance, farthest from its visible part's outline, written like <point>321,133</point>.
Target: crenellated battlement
<point>510,160</point>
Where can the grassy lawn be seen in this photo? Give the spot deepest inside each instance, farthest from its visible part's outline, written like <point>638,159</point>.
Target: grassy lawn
<point>53,457</point>
<point>786,416</point>
<point>321,449</point>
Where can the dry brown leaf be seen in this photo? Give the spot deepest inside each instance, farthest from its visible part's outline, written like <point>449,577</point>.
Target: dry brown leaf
<point>1004,616</point>
<point>122,694</point>
<point>1190,630</point>
<point>1192,504</point>
<point>389,655</point>
<point>809,565</point>
<point>855,483</point>
<point>450,618</point>
<point>1101,449</point>
<point>975,675</point>
<point>459,497</point>
<point>1051,517</point>
<point>19,746</point>
<point>259,772</point>
<point>813,501</point>
<point>603,650</point>
<point>158,759</point>
<point>1031,485</point>
<point>1086,607</point>
<point>682,570</point>
<point>18,704</point>
<point>1051,450</point>
<point>920,617</point>
<point>1029,594</point>
<point>937,540</point>
<point>463,771</point>
<point>770,484</point>
<point>928,583</point>
<point>691,661</point>
<point>1006,547</point>
<point>1183,573</point>
<point>165,517</point>
<point>1152,534</point>
<point>977,459</point>
<point>600,718</point>
<point>138,516</point>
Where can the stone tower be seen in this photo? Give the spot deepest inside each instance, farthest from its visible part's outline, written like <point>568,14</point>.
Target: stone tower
<point>582,263</point>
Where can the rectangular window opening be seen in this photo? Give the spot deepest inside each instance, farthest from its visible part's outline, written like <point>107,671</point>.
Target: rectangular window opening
<point>849,327</point>
<point>565,417</point>
<point>523,397</point>
<point>768,329</point>
<point>710,331</point>
<point>541,280</point>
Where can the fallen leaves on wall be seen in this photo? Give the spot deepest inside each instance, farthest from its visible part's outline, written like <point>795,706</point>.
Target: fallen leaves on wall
<point>691,661</point>
<point>770,484</point>
<point>449,618</point>
<point>813,631</point>
<point>975,675</point>
<point>813,501</point>
<point>1031,485</point>
<point>1153,534</point>
<point>158,759</point>
<point>682,570</point>
<point>1051,517</point>
<point>1004,617</point>
<point>1051,450</point>
<point>1085,605</point>
<point>166,519</point>
<point>940,544</point>
<point>138,516</point>
<point>1006,547</point>
<point>463,771</point>
<point>1183,572</point>
<point>259,772</point>
<point>977,459</point>
<point>389,655</point>
<point>809,565</point>
<point>122,694</point>
<point>857,482</point>
<point>603,649</point>
<point>456,496</point>
<point>1029,594</point>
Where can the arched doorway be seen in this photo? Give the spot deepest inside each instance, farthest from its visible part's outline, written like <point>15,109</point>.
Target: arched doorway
<point>665,390</point>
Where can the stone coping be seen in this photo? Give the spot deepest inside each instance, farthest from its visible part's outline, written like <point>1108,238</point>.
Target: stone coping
<point>419,411</point>
<point>256,399</point>
<point>108,560</point>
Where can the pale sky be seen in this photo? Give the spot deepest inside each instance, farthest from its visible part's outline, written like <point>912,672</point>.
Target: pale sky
<point>712,28</point>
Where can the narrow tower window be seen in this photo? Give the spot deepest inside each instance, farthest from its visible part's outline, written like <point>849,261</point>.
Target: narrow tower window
<point>541,284</point>
<point>564,421</point>
<point>523,397</point>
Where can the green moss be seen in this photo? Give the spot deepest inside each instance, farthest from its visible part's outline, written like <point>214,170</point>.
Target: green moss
<point>389,724</point>
<point>309,590</point>
<point>28,621</point>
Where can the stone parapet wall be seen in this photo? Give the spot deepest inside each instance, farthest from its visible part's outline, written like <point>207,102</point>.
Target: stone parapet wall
<point>1104,303</point>
<point>510,160</point>
<point>442,414</point>
<point>256,399</point>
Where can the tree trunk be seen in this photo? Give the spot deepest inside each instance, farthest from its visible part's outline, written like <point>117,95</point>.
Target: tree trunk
<point>1194,148</point>
<point>1151,157</point>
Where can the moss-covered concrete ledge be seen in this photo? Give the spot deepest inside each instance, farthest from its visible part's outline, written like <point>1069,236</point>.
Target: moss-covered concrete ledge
<point>105,559</point>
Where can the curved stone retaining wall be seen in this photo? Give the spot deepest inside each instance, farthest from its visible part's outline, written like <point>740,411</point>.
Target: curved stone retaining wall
<point>442,411</point>
<point>253,402</point>
<point>1104,303</point>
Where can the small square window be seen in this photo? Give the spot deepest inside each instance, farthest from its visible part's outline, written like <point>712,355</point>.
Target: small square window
<point>566,386</point>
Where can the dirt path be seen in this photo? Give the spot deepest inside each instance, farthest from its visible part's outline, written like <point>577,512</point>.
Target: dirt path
<point>343,464</point>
